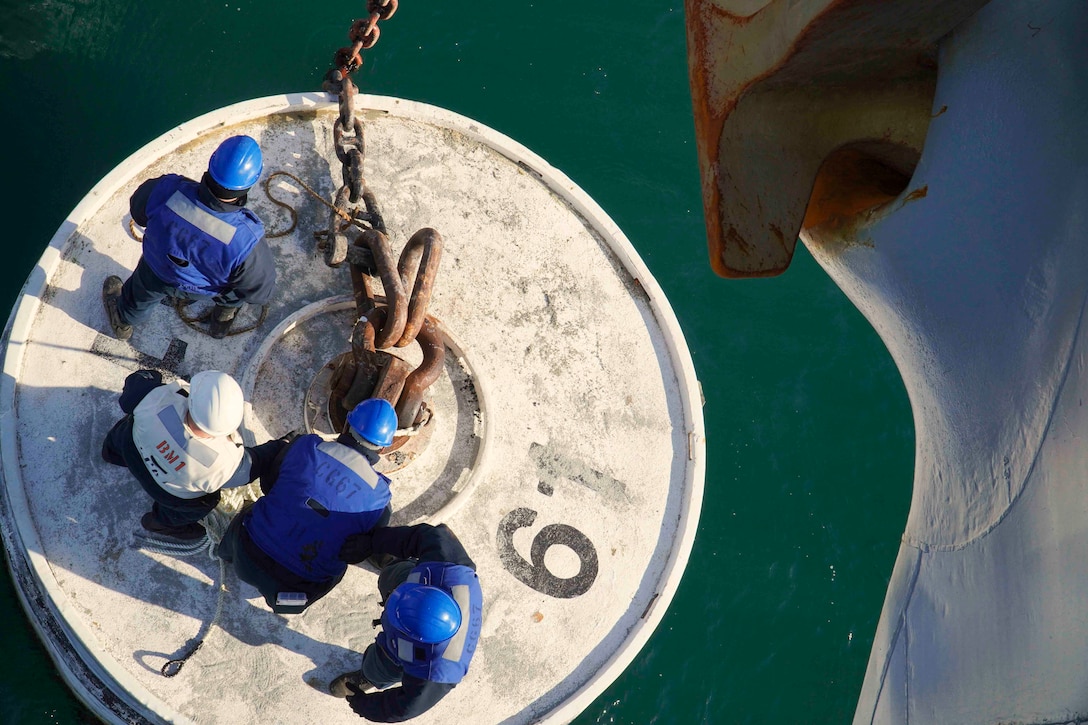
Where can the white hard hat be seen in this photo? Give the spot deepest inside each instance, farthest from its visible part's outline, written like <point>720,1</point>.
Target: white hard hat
<point>215,402</point>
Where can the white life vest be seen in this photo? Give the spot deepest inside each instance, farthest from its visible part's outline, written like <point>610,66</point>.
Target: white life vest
<point>184,465</point>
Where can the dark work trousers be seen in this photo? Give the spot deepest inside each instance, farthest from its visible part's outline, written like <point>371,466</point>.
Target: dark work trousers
<point>143,290</point>
<point>118,449</point>
<point>379,668</point>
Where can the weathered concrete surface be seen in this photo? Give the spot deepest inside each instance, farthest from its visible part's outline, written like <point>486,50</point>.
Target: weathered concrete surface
<point>568,398</point>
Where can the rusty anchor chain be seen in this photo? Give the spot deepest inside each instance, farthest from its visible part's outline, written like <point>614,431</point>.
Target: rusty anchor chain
<point>396,319</point>
<point>348,138</point>
<point>399,316</point>
<point>364,35</point>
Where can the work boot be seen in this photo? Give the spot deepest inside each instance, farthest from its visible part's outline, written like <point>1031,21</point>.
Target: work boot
<point>185,532</point>
<point>222,319</point>
<point>111,298</point>
<point>339,687</point>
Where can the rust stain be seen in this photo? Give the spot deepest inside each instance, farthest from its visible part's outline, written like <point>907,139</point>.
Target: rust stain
<point>708,122</point>
<point>777,232</point>
<point>710,26</point>
<point>710,119</point>
<point>538,617</point>
<point>919,193</point>
<point>734,18</point>
<point>733,237</point>
<point>848,184</point>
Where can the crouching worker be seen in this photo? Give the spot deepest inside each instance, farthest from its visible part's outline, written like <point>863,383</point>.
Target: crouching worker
<point>433,612</point>
<point>180,441</point>
<point>287,543</point>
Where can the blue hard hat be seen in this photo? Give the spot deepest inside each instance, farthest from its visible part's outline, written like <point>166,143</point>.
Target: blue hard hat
<point>375,421</point>
<point>236,164</point>
<point>424,613</point>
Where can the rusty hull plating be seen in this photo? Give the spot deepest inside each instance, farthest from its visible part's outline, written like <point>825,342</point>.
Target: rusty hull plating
<point>807,113</point>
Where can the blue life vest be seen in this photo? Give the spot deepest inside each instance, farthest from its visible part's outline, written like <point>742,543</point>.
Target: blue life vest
<point>191,247</point>
<point>446,661</point>
<point>325,493</point>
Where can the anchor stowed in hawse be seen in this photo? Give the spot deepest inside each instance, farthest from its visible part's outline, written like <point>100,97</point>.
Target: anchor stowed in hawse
<point>539,401</point>
<point>931,157</point>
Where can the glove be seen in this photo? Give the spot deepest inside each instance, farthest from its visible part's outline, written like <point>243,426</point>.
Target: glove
<point>355,701</point>
<point>357,698</point>
<point>356,548</point>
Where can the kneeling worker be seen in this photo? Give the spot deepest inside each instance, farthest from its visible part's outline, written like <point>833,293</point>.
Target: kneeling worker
<point>430,624</point>
<point>180,441</point>
<point>287,544</point>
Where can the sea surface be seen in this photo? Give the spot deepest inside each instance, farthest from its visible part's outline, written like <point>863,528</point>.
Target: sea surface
<point>809,432</point>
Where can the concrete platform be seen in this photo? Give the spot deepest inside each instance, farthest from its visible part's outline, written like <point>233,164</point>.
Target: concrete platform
<point>567,448</point>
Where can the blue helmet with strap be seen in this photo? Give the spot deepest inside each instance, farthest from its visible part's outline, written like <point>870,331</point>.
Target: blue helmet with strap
<point>236,164</point>
<point>423,613</point>
<point>374,421</point>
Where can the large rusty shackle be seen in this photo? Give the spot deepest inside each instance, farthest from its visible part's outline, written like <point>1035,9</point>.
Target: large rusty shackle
<point>395,320</point>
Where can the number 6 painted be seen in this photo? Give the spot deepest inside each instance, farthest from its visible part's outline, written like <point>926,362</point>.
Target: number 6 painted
<point>536,574</point>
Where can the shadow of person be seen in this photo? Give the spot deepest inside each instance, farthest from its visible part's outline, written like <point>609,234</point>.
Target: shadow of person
<point>239,611</point>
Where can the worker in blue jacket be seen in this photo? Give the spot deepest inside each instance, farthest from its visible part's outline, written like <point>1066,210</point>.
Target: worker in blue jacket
<point>287,543</point>
<point>200,242</point>
<point>431,621</point>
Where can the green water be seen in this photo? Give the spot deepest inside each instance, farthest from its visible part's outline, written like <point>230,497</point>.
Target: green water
<point>810,442</point>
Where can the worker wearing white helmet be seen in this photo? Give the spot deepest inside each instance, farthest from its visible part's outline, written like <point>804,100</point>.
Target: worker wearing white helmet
<point>180,441</point>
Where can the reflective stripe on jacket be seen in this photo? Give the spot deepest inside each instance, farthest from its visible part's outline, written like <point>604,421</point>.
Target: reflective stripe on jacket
<point>446,661</point>
<point>182,464</point>
<point>324,493</point>
<point>191,247</point>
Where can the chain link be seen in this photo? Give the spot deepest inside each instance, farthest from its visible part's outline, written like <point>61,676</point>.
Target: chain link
<point>364,34</point>
<point>348,138</point>
<point>407,284</point>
